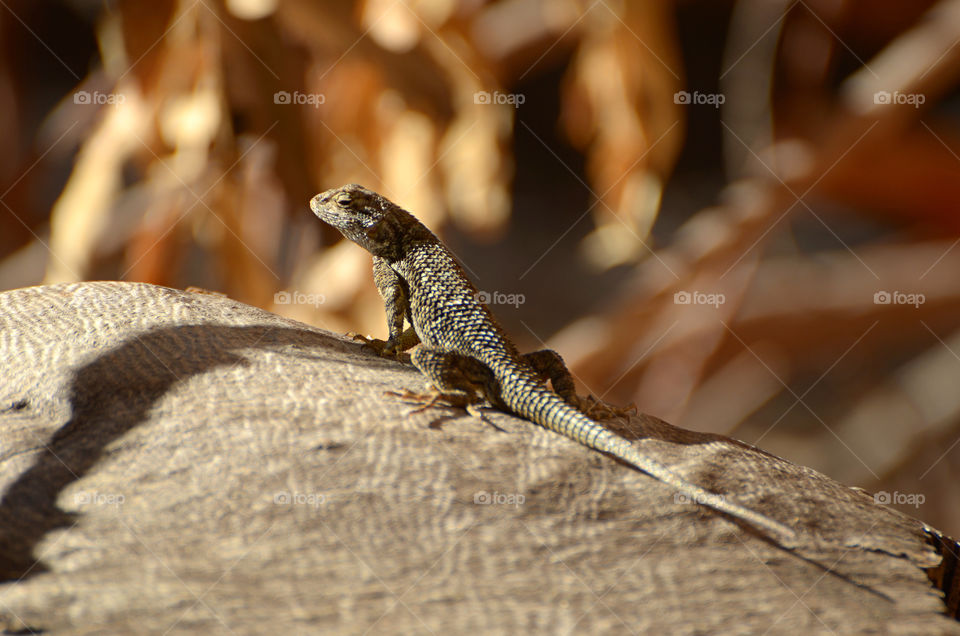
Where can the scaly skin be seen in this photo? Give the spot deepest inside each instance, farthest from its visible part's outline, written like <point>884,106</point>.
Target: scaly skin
<point>464,351</point>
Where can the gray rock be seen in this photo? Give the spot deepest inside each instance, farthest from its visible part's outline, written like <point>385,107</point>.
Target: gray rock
<point>176,462</point>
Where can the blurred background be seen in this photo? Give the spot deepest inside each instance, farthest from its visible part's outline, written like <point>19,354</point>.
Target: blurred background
<point>741,216</point>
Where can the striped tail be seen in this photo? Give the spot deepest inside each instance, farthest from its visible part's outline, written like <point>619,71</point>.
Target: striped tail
<point>534,402</point>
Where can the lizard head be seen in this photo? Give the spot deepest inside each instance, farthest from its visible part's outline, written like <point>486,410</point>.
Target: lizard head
<point>367,218</point>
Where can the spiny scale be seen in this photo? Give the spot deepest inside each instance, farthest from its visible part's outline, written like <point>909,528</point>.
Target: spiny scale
<point>464,351</point>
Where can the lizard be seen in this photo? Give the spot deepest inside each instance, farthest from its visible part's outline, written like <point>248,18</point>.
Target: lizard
<point>463,351</point>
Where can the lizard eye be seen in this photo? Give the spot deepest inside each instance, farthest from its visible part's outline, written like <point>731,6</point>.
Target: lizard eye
<point>344,200</point>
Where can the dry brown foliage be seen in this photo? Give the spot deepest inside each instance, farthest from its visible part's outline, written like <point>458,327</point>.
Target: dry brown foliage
<point>813,310</point>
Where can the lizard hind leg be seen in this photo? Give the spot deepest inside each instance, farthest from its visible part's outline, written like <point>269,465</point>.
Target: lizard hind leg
<point>458,381</point>
<point>548,364</point>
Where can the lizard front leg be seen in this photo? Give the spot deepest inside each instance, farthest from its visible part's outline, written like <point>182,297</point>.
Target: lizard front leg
<point>396,303</point>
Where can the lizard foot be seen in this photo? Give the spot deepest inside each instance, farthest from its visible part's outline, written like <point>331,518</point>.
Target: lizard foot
<point>600,410</point>
<point>380,347</point>
<point>436,398</point>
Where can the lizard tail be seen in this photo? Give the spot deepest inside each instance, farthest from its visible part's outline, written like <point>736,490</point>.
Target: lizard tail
<point>547,409</point>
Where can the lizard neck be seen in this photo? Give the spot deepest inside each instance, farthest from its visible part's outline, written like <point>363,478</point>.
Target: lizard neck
<point>397,235</point>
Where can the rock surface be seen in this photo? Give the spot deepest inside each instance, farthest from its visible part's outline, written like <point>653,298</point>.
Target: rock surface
<point>175,462</point>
